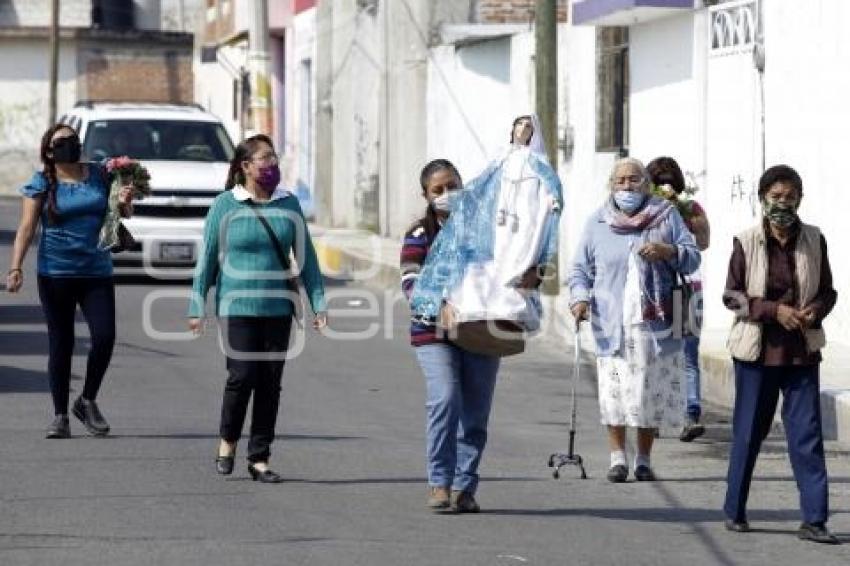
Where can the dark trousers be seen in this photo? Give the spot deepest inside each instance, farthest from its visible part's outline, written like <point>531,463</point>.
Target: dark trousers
<point>757,389</point>
<point>59,299</point>
<point>255,348</point>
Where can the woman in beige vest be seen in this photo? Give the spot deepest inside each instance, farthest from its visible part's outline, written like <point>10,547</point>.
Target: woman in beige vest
<point>780,287</point>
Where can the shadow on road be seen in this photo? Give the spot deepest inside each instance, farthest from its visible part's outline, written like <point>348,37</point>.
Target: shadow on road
<point>383,481</point>
<point>18,380</point>
<point>27,343</point>
<point>23,314</point>
<point>709,479</point>
<point>654,514</point>
<point>215,436</point>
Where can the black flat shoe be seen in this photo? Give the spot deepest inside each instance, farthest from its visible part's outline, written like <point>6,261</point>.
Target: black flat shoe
<point>817,533</point>
<point>224,465</point>
<point>618,474</point>
<point>59,428</point>
<point>644,473</point>
<point>692,430</point>
<point>737,526</point>
<point>266,476</point>
<point>91,417</point>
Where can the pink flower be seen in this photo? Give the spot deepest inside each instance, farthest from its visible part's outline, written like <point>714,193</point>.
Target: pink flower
<point>122,164</point>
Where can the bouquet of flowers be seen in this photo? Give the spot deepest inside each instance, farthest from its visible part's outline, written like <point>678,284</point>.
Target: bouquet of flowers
<point>123,171</point>
<point>683,201</point>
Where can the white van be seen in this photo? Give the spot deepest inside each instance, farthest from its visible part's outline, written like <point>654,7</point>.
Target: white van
<point>187,152</point>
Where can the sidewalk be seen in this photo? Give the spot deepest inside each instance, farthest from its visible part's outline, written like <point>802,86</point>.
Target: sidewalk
<point>372,260</point>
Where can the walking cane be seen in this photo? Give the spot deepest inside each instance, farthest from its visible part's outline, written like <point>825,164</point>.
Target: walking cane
<point>558,460</point>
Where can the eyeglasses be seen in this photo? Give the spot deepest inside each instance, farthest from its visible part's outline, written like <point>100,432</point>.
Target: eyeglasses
<point>267,158</point>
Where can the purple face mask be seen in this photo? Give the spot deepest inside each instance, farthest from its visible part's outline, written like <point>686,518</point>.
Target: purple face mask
<point>269,177</point>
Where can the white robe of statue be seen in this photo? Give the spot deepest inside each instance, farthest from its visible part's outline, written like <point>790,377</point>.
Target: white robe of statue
<point>523,209</point>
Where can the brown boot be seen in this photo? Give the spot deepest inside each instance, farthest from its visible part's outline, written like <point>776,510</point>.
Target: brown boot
<point>438,498</point>
<point>464,502</point>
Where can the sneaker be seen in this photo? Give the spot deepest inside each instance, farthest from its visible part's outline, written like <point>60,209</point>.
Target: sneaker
<point>737,526</point>
<point>59,428</point>
<point>438,498</point>
<point>618,473</point>
<point>691,430</point>
<point>90,416</point>
<point>817,532</point>
<point>464,502</point>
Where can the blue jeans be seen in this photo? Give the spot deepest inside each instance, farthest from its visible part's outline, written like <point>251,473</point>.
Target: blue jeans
<point>460,388</point>
<point>691,350</point>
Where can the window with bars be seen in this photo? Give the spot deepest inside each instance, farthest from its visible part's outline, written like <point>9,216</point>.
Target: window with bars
<point>612,89</point>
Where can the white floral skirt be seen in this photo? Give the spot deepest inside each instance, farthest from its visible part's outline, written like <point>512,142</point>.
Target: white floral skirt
<point>640,390</point>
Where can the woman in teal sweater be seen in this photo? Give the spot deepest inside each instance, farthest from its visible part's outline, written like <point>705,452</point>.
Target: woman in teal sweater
<point>249,233</point>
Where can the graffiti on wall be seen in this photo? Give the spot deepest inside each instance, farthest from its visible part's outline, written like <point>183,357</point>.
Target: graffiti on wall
<point>744,193</point>
<point>365,177</point>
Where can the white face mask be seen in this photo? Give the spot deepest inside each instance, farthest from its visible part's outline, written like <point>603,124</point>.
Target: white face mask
<point>441,203</point>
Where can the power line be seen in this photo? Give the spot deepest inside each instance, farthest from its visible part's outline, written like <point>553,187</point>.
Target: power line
<point>423,39</point>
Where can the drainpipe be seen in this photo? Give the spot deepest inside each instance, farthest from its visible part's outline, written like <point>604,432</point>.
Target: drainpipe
<point>759,62</point>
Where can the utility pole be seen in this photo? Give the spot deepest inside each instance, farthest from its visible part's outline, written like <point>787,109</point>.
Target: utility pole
<point>546,99</point>
<point>258,68</point>
<point>54,62</point>
<point>546,72</point>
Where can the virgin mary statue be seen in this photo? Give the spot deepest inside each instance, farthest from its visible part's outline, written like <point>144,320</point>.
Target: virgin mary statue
<point>486,262</point>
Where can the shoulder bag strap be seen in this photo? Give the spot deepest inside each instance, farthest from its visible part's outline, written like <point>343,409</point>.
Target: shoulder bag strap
<point>291,282</point>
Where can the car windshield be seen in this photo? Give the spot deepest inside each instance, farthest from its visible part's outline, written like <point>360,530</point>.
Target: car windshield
<point>166,140</point>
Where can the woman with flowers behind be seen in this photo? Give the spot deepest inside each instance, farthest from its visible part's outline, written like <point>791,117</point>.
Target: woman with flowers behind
<point>70,200</point>
<point>669,182</point>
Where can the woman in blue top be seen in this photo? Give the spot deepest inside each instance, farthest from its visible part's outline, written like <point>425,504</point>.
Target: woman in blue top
<point>624,273</point>
<point>69,199</point>
<point>249,233</point>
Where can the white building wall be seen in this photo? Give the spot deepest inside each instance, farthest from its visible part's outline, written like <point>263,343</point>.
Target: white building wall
<point>302,51</point>
<point>214,88</point>
<point>300,146</point>
<point>665,102</point>
<point>711,104</point>
<point>807,50</point>
<point>472,102</point>
<point>583,171</point>
<point>23,101</point>
<point>36,13</point>
<point>351,97</point>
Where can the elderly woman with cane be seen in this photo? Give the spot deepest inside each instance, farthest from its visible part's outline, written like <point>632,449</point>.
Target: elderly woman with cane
<point>779,286</point>
<point>624,274</point>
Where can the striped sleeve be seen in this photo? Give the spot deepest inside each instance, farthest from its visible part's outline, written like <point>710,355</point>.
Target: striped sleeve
<point>414,249</point>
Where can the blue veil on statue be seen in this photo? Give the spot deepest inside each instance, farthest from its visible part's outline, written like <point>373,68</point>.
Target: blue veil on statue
<point>467,238</point>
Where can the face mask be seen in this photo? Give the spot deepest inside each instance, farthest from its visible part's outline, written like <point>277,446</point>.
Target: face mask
<point>629,201</point>
<point>441,203</point>
<point>783,215</point>
<point>66,150</point>
<point>269,177</point>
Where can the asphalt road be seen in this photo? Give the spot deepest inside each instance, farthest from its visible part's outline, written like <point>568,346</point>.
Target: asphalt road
<point>351,447</point>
